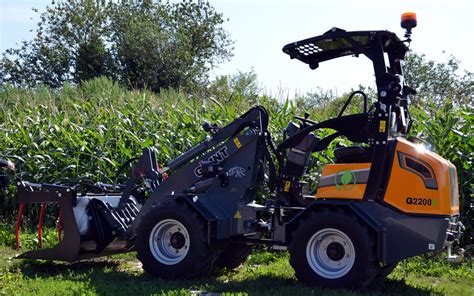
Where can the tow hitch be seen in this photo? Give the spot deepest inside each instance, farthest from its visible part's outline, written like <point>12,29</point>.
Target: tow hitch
<point>454,233</point>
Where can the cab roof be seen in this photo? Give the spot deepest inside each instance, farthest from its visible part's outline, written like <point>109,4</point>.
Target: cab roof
<point>337,43</point>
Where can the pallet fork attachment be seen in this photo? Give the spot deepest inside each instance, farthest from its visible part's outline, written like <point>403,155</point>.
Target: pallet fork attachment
<point>110,213</point>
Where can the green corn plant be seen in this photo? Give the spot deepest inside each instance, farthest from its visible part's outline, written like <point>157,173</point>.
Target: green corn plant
<point>449,131</point>
<point>85,132</point>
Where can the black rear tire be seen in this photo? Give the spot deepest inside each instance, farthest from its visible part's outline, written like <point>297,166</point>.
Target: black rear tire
<point>333,249</point>
<point>168,229</point>
<point>233,255</point>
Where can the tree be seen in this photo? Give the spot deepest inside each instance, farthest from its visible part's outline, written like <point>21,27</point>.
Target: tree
<point>69,35</point>
<point>437,82</point>
<point>244,84</point>
<point>138,43</point>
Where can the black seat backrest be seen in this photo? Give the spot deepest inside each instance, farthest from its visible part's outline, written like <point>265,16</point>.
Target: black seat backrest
<point>353,154</point>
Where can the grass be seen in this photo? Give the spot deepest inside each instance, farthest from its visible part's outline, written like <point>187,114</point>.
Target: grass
<point>265,273</point>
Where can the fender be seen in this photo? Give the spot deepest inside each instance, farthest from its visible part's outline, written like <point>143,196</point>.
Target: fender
<point>425,233</point>
<point>348,205</point>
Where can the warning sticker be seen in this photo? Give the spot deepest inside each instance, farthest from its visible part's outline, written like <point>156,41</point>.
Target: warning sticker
<point>237,143</point>
<point>287,186</point>
<point>382,126</point>
<point>237,215</point>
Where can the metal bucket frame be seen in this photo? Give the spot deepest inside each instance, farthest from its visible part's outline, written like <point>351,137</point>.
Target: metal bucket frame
<point>68,247</point>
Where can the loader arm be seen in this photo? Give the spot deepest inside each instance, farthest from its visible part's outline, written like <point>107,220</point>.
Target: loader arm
<point>228,147</point>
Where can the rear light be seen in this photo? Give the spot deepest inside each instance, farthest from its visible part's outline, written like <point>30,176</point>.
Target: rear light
<point>453,186</point>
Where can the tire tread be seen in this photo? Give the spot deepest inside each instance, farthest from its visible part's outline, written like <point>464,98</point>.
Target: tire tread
<point>202,260</point>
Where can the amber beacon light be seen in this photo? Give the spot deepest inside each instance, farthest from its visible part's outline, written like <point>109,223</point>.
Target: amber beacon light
<point>408,22</point>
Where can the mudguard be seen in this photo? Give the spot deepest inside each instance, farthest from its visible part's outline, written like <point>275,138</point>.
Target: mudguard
<point>393,229</point>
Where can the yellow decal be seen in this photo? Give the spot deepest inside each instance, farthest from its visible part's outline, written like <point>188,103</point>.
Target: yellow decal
<point>287,186</point>
<point>237,143</point>
<point>382,126</point>
<point>237,215</point>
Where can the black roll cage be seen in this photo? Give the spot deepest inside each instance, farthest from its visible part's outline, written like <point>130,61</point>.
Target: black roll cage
<point>387,116</point>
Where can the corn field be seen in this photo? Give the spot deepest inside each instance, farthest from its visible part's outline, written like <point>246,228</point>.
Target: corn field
<point>86,132</point>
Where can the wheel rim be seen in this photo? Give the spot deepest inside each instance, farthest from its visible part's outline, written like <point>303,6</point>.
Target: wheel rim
<point>169,242</point>
<point>330,253</point>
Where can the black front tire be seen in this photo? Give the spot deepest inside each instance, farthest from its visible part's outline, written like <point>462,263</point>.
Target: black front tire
<point>233,255</point>
<point>324,239</point>
<point>155,248</point>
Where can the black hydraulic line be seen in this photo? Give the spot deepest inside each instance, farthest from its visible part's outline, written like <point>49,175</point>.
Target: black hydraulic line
<point>324,142</point>
<point>271,166</point>
<point>190,154</point>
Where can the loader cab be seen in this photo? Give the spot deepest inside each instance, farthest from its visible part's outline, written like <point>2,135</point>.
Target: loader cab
<point>383,48</point>
<point>372,131</point>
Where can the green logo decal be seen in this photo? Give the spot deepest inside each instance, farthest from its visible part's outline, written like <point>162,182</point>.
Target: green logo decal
<point>345,180</point>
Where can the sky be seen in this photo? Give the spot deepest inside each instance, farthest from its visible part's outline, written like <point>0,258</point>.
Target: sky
<point>260,29</point>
